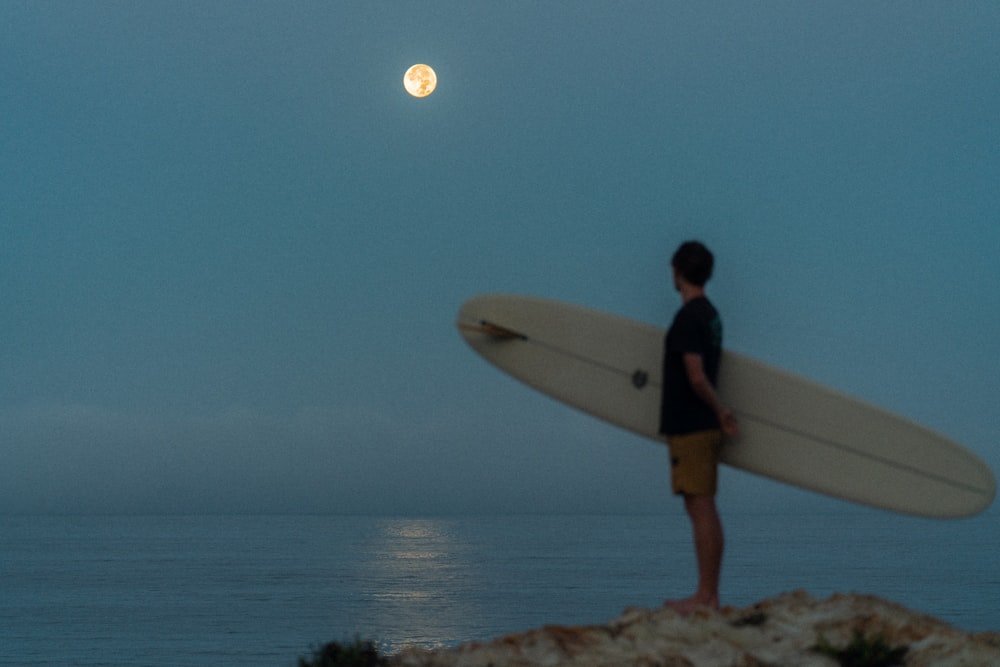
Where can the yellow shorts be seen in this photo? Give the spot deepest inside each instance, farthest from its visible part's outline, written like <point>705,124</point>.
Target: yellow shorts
<point>694,461</point>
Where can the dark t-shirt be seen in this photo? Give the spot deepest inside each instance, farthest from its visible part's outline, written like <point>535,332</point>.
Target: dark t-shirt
<point>696,328</point>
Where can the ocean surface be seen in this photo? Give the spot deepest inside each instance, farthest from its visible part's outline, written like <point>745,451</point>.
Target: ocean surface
<point>266,590</point>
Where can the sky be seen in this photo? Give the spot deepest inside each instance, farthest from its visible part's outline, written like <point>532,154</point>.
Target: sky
<point>233,248</point>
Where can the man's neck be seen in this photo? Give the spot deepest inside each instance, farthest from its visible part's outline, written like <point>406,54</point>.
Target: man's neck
<point>690,292</point>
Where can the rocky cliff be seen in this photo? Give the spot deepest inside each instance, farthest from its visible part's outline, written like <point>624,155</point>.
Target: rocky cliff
<point>792,629</point>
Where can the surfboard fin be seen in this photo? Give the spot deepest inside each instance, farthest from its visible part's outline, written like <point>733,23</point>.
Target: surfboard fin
<point>494,330</point>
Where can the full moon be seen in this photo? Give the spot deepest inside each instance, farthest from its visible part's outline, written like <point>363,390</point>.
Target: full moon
<point>420,81</point>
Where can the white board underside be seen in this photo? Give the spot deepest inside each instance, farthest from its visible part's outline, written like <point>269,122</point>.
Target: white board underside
<point>792,430</point>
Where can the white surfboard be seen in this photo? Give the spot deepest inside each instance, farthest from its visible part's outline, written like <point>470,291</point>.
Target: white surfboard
<point>792,430</point>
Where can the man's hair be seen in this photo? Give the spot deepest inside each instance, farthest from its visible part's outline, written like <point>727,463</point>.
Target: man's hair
<point>694,262</point>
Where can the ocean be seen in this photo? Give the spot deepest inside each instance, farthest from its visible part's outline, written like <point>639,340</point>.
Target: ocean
<point>266,590</point>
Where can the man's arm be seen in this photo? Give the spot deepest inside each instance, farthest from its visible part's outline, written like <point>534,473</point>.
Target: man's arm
<point>703,389</point>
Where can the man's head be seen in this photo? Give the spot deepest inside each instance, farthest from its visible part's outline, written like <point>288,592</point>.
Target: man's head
<point>693,262</point>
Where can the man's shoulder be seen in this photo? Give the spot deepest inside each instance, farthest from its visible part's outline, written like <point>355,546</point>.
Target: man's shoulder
<point>699,307</point>
<point>699,320</point>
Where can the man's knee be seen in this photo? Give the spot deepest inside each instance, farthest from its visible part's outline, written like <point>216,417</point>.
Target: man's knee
<point>698,505</point>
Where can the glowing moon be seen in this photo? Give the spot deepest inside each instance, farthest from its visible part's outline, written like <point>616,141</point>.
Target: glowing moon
<point>420,81</point>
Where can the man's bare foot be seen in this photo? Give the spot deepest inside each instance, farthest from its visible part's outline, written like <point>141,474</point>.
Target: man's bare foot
<point>692,604</point>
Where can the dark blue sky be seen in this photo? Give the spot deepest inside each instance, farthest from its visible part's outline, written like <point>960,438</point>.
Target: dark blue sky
<point>233,247</point>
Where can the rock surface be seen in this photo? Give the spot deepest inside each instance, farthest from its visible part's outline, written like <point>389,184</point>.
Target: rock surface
<point>778,631</point>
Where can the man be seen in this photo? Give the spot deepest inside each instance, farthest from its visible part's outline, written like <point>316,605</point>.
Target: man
<point>693,418</point>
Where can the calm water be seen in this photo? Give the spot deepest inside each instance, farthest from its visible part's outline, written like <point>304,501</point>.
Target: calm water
<point>263,590</point>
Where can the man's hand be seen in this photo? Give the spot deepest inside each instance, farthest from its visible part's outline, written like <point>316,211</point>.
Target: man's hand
<point>729,423</point>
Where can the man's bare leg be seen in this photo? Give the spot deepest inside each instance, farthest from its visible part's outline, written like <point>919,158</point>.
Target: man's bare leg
<point>708,546</point>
